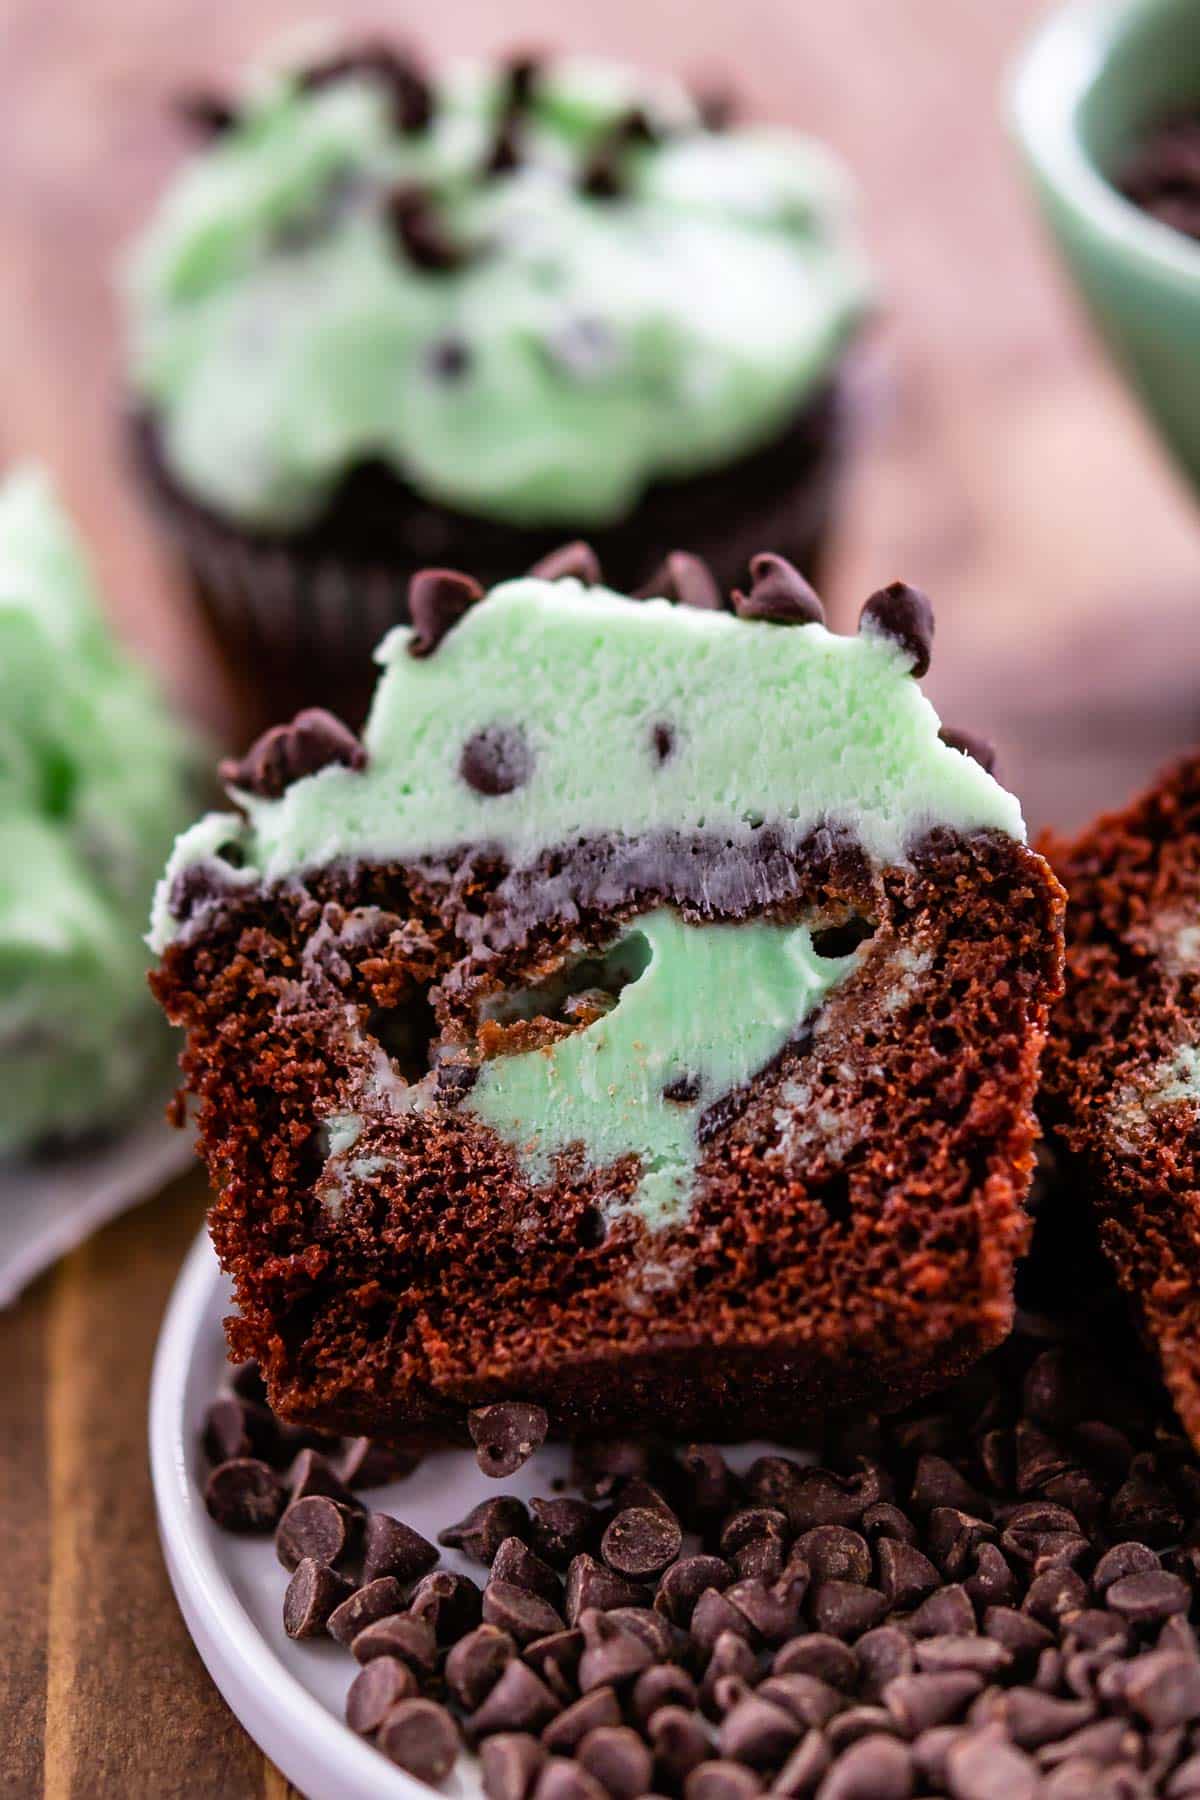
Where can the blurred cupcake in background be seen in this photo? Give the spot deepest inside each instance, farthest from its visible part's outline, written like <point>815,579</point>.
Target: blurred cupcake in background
<point>382,321</point>
<point>95,780</point>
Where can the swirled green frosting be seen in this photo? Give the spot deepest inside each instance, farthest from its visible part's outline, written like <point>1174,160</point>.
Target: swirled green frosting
<point>95,779</point>
<point>583,348</point>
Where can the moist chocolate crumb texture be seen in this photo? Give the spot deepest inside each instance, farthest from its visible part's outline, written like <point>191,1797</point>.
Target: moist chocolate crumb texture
<point>642,1023</point>
<point>1122,1077</point>
<point>380,319</point>
<point>95,781</point>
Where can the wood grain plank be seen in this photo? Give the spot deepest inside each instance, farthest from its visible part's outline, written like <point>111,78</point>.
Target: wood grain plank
<point>24,1527</point>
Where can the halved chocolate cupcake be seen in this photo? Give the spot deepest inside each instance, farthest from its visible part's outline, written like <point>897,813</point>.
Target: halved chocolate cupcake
<point>381,321</point>
<point>642,1020</point>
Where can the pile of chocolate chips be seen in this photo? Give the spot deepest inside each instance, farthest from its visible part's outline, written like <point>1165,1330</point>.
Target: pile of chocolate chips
<point>989,1597</point>
<point>1163,176</point>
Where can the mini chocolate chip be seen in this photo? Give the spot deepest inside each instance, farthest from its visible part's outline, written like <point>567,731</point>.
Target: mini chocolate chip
<point>721,1781</point>
<point>451,1603</point>
<point>207,114</point>
<point>712,1487</point>
<point>487,1525</point>
<point>665,1639</point>
<point>818,1654</point>
<point>1123,1559</point>
<point>1148,1597</point>
<point>887,1521</point>
<point>476,1663</point>
<point>505,153</point>
<point>938,1483</point>
<point>496,760</point>
<point>1020,1634</point>
<point>511,1762</point>
<point>590,1586</point>
<point>365,1464</point>
<point>522,1614</point>
<point>419,231</point>
<point>760,1560</point>
<point>248,1384</point>
<point>758,1733</point>
<point>809,1699</point>
<point>1053,1593</point>
<point>778,594</point>
<point>774,1611</point>
<point>516,1563</point>
<point>947,1613</point>
<point>1105,1741</point>
<point>641,1541</point>
<point>374,1691</point>
<point>313,1473</point>
<point>846,1609</point>
<point>712,1615</point>
<point>993,1582</point>
<point>903,614</point>
<point>397,1634</point>
<point>377,1600</point>
<point>687,581</point>
<point>679,1740</point>
<point>313,1593</point>
<point>556,1659</point>
<point>392,1548</point>
<point>875,1768</point>
<point>437,600</point>
<point>576,561</point>
<point>905,1575</point>
<point>314,1527</point>
<point>449,359</point>
<point>562,1529</point>
<point>613,1656</point>
<point>883,1654</point>
<point>506,1434</point>
<point>244,1495</point>
<point>409,93</point>
<point>524,70</point>
<point>1143,1508</point>
<point>602,176</point>
<point>752,1522</point>
<point>562,1780</point>
<point>662,743</point>
<point>858,1722</point>
<point>835,1553</point>
<point>660,1686</point>
<point>983,1765</point>
<point>520,1701</point>
<point>616,1757</point>
<point>802,1773</point>
<point>421,1738</point>
<point>313,741</point>
<point>1033,1719</point>
<point>977,748</point>
<point>919,1702</point>
<point>953,1536</point>
<point>601,1707</point>
<point>1163,1687</point>
<point>235,1429</point>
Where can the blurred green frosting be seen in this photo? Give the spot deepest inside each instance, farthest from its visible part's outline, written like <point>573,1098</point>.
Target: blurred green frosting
<point>95,779</point>
<point>583,348</point>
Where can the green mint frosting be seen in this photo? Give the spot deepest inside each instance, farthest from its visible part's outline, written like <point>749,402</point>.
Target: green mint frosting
<point>95,780</point>
<point>712,1005</point>
<point>584,348</point>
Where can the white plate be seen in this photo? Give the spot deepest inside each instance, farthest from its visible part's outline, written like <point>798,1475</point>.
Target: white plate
<point>290,1696</point>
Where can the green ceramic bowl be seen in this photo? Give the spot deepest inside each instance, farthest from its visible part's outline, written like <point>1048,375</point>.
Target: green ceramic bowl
<point>1091,81</point>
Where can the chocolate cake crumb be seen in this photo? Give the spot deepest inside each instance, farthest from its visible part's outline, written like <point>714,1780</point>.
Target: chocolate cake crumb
<point>576,561</point>
<point>437,600</point>
<point>904,614</point>
<point>314,740</point>
<point>778,594</point>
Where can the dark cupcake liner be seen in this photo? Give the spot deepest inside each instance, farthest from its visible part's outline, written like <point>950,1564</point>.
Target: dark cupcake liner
<point>297,617</point>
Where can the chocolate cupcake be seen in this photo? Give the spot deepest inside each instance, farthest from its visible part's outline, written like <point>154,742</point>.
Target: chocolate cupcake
<point>381,321</point>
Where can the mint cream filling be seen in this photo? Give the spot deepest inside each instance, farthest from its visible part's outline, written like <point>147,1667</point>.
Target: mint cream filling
<point>280,335</point>
<point>95,779</point>
<point>708,1006</point>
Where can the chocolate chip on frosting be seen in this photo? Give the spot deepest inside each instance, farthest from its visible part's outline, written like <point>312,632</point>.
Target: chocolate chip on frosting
<point>419,231</point>
<point>449,359</point>
<point>437,600</point>
<point>505,153</point>
<point>576,561</point>
<point>977,748</point>
<point>687,580</point>
<point>904,614</point>
<point>778,594</point>
<point>409,91</point>
<point>496,760</point>
<point>662,741</point>
<point>210,115</point>
<point>506,1435</point>
<point>524,68</point>
<point>314,740</point>
<point>602,176</point>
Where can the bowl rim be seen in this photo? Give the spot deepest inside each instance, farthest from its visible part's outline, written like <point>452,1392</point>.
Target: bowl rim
<point>1058,67</point>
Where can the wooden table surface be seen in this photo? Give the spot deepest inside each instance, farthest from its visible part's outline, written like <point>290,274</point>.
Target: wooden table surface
<point>1001,467</point>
